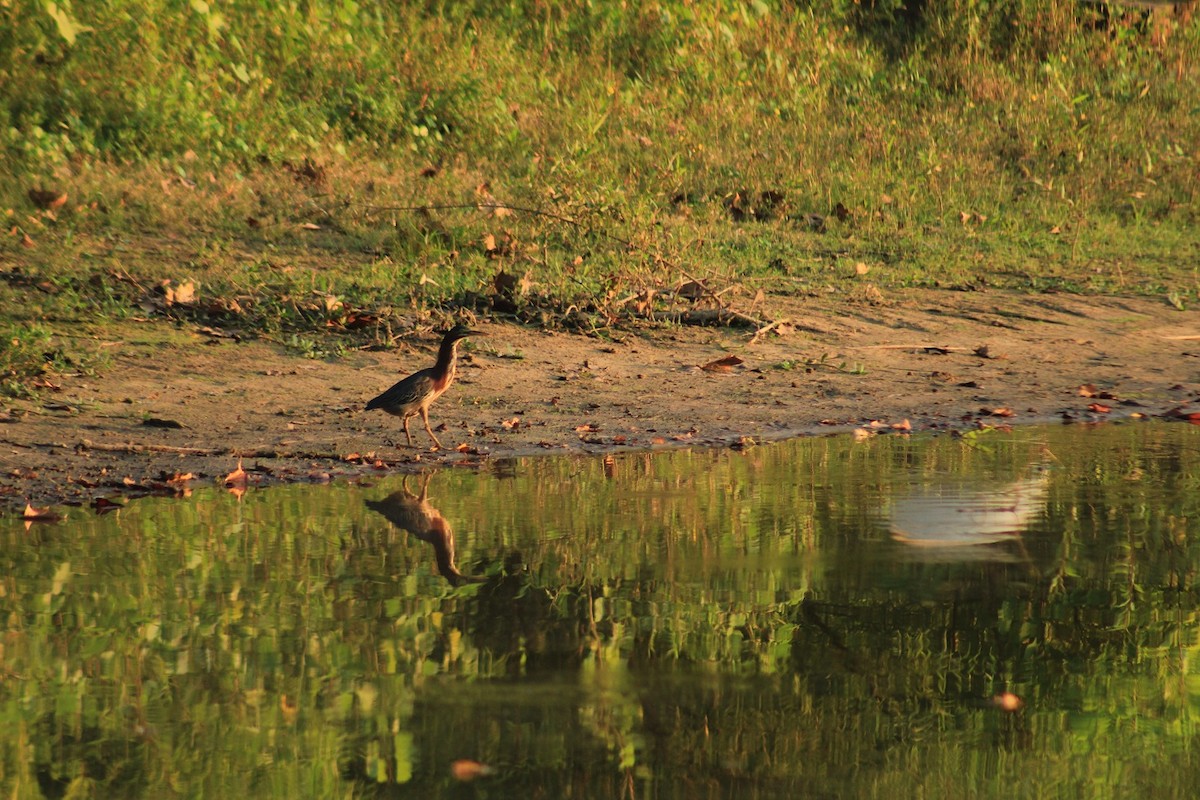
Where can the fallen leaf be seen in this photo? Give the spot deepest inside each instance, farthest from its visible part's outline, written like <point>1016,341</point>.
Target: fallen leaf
<point>902,425</point>
<point>997,412</point>
<point>722,364</point>
<point>509,424</point>
<point>1099,408</point>
<point>32,514</point>
<point>587,428</point>
<point>1007,701</point>
<point>1087,390</point>
<point>310,226</point>
<point>861,268</point>
<point>182,295</point>
<point>464,769</point>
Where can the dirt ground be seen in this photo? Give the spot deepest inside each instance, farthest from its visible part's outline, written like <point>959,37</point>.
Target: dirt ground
<point>173,402</point>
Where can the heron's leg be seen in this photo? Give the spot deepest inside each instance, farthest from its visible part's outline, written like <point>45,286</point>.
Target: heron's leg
<point>406,433</point>
<point>429,430</point>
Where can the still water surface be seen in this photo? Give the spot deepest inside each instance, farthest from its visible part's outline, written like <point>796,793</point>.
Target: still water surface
<point>1013,615</point>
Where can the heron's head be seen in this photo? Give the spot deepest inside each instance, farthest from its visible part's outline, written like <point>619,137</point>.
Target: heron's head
<point>459,332</point>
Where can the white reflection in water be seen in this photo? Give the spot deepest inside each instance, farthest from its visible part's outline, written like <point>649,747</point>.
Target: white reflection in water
<point>965,515</point>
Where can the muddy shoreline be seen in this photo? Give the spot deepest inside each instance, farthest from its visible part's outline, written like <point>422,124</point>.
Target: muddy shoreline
<point>174,402</point>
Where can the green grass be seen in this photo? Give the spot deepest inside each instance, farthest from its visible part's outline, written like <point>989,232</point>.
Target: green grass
<point>272,153</point>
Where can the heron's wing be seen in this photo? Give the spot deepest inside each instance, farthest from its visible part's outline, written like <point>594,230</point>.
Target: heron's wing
<point>407,392</point>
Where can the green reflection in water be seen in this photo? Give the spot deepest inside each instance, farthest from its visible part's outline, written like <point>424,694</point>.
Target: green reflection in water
<point>803,619</point>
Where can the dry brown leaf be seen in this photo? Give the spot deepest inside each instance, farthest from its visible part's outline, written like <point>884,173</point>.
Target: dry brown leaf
<point>526,283</point>
<point>509,424</point>
<point>724,364</point>
<point>902,425</point>
<point>1007,701</point>
<point>586,428</point>
<point>464,769</point>
<point>32,514</point>
<point>998,412</point>
<point>861,268</point>
<point>489,243</point>
<point>182,295</point>
<point>1099,408</point>
<point>1087,390</point>
<point>310,226</point>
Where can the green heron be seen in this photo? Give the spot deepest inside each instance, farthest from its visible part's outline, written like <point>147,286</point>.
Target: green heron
<point>416,393</point>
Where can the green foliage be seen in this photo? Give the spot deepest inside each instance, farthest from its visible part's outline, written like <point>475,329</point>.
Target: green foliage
<point>1010,143</point>
<point>25,352</point>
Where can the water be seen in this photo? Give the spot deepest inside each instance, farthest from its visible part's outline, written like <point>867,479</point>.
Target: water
<point>1009,615</point>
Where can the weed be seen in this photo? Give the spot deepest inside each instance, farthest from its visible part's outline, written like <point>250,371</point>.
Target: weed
<point>360,151</point>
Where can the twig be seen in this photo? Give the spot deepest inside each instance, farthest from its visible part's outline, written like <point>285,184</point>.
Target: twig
<point>705,316</point>
<point>131,447</point>
<point>764,330</point>
<point>913,347</point>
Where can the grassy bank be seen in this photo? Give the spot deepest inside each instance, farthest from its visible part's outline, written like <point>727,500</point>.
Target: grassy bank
<point>256,166</point>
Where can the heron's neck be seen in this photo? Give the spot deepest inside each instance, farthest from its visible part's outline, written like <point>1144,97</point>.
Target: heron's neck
<point>447,355</point>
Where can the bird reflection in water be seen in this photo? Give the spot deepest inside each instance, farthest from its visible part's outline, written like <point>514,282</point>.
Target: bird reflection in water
<point>413,513</point>
<point>957,516</point>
